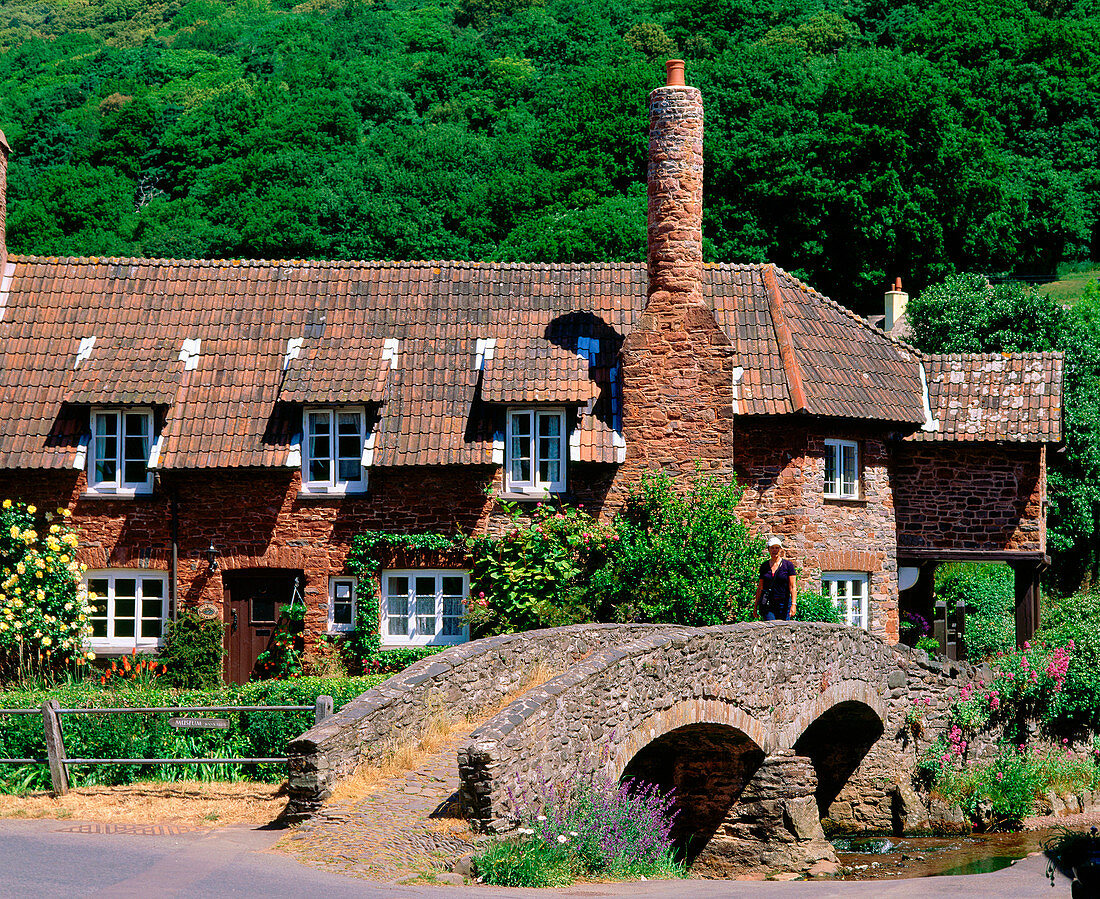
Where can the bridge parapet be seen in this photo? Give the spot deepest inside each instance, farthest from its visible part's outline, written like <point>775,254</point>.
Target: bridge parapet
<point>463,681</point>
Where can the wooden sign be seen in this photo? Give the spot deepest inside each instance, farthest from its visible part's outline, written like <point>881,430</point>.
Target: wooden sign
<point>207,611</point>
<point>206,723</point>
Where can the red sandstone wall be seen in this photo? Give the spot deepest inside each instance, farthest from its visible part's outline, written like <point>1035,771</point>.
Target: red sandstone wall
<point>783,473</point>
<point>256,519</point>
<point>971,496</point>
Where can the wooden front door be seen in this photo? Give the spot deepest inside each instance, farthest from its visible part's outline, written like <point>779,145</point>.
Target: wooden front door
<point>253,600</point>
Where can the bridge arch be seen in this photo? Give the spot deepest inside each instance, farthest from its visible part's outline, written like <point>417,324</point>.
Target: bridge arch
<point>717,711</point>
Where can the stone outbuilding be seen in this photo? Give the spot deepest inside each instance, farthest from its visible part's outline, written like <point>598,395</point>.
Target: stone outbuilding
<point>221,430</point>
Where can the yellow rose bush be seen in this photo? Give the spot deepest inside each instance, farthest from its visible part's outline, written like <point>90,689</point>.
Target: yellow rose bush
<point>44,611</point>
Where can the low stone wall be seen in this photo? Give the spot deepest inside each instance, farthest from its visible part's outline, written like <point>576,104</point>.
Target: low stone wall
<point>462,681</point>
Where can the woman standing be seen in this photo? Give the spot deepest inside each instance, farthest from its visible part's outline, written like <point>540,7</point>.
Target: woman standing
<point>775,594</point>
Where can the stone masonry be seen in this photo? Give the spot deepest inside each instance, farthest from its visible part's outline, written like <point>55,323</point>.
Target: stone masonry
<point>765,687</point>
<point>763,730</point>
<point>677,365</point>
<point>971,496</point>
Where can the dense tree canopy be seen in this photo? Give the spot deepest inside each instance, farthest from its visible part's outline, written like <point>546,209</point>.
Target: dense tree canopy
<point>848,142</point>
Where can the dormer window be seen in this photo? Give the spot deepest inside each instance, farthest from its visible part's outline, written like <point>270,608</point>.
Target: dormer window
<point>332,456</point>
<point>535,458</point>
<point>118,457</point>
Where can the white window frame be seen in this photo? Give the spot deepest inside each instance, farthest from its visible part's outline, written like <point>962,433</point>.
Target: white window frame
<point>857,592</point>
<point>335,627</point>
<point>112,643</point>
<point>839,489</point>
<point>534,485</point>
<point>334,484</point>
<point>118,486</point>
<point>413,636</point>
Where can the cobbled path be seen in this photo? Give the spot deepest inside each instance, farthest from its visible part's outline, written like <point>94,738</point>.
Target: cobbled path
<point>411,825</point>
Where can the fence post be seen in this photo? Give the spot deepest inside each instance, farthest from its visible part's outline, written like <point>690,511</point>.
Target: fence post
<point>939,626</point>
<point>323,709</point>
<point>960,627</point>
<point>55,747</point>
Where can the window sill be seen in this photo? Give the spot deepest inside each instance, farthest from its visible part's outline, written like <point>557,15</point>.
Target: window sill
<point>123,647</point>
<point>421,643</point>
<point>846,500</point>
<point>106,494</point>
<point>334,493</point>
<point>531,496</point>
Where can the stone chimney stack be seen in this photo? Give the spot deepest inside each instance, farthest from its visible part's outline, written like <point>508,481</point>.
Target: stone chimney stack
<point>896,300</point>
<point>675,189</point>
<point>677,364</point>
<point>4,151</point>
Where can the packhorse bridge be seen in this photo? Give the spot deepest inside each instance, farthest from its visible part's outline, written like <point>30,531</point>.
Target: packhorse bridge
<point>763,730</point>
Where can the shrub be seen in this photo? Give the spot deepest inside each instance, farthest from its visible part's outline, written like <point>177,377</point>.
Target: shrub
<point>525,862</point>
<point>680,558</point>
<point>1013,781</point>
<point>193,651</point>
<point>250,734</point>
<point>1076,708</point>
<point>989,593</point>
<point>590,828</point>
<point>44,609</point>
<point>535,575</point>
<point>816,607</point>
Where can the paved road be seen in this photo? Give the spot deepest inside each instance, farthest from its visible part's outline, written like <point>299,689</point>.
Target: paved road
<point>41,859</point>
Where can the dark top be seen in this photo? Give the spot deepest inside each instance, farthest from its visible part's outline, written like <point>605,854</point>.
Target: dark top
<point>777,587</point>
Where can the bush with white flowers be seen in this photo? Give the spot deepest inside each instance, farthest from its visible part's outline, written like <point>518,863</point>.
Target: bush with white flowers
<point>44,611</point>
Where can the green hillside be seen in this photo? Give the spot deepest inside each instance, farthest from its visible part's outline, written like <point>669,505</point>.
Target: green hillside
<point>847,141</point>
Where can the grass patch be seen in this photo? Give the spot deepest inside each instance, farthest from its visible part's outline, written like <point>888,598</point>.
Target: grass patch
<point>1070,286</point>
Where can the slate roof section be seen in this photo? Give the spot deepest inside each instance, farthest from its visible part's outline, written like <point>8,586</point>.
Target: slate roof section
<point>400,338</point>
<point>1012,397</point>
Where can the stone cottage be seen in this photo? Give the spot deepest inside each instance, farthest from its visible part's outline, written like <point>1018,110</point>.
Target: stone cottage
<point>220,430</point>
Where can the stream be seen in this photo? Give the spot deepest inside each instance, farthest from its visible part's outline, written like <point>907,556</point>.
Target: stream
<point>881,858</point>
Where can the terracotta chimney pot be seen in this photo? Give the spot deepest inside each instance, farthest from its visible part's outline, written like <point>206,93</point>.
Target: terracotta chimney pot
<point>674,73</point>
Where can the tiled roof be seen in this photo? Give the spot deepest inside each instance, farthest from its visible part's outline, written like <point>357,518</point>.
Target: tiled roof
<point>120,372</point>
<point>534,370</point>
<point>231,350</point>
<point>1012,397</point>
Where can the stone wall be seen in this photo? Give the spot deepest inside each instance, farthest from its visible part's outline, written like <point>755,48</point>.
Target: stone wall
<point>782,471</point>
<point>463,681</point>
<point>961,496</point>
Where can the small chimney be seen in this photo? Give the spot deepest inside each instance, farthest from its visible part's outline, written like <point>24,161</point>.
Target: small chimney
<point>675,190</point>
<point>4,151</point>
<point>896,300</point>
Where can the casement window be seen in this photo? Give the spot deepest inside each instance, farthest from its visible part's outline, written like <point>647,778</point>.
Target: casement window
<point>341,605</point>
<point>129,609</point>
<point>423,607</point>
<point>842,469</point>
<point>332,457</point>
<point>535,460</point>
<point>118,456</point>
<point>848,591</point>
